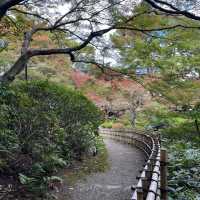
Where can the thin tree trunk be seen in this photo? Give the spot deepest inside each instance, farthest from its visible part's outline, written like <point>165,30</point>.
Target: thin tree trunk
<point>26,72</point>
<point>197,127</point>
<point>133,118</point>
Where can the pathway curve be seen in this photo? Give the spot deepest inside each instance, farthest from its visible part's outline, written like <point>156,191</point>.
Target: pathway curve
<point>115,183</point>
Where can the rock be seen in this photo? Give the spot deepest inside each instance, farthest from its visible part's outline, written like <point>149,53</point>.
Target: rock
<point>92,151</point>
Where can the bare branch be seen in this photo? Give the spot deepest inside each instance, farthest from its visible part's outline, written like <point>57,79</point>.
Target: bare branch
<point>158,29</point>
<point>31,14</point>
<point>6,4</point>
<point>172,9</point>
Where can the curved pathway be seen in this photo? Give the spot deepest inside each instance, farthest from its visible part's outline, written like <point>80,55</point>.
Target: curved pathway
<point>115,183</point>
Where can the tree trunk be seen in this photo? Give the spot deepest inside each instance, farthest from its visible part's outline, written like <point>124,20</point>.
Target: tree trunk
<point>2,13</point>
<point>19,65</point>
<point>133,118</point>
<point>22,61</point>
<point>197,127</point>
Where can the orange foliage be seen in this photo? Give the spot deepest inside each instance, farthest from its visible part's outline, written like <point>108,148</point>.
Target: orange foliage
<point>79,78</point>
<point>42,38</point>
<point>98,100</point>
<point>117,125</point>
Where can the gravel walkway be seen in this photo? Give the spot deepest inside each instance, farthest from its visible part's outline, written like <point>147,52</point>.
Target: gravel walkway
<point>114,184</point>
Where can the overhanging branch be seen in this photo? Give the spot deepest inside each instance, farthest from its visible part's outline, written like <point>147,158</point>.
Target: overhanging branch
<point>161,5</point>
<point>6,4</point>
<point>157,29</point>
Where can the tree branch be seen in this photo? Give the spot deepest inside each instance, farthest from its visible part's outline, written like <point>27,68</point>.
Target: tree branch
<point>6,4</point>
<point>157,4</point>
<point>31,14</point>
<point>157,29</point>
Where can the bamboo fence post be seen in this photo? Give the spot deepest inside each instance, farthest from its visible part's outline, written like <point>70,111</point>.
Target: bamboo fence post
<point>163,181</point>
<point>145,186</point>
<point>140,194</point>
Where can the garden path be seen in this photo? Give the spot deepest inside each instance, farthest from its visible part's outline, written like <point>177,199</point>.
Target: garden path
<point>114,184</point>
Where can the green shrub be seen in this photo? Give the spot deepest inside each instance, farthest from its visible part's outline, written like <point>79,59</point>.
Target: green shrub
<point>183,177</point>
<point>107,124</point>
<point>184,131</point>
<point>43,126</point>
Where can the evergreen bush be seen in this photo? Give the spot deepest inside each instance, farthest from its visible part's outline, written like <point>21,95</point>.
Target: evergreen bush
<point>43,127</point>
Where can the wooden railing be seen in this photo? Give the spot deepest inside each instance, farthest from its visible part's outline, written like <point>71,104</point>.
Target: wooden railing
<point>152,182</point>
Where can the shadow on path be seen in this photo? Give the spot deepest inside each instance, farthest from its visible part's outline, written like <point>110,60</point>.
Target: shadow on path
<point>114,184</point>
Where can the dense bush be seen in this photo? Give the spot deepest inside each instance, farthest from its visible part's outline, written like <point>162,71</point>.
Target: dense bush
<point>180,138</point>
<point>43,126</point>
<point>184,167</point>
